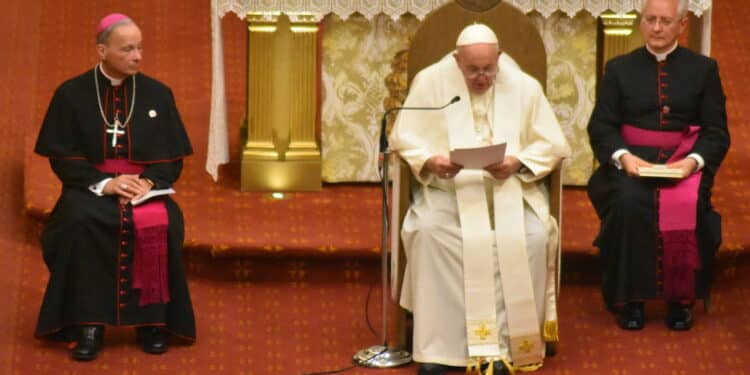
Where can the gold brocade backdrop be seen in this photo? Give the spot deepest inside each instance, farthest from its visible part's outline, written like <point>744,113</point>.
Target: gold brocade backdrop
<point>357,56</point>
<point>571,84</point>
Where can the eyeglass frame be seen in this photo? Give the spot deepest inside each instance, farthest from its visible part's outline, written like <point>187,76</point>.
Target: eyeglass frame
<point>483,72</point>
<point>664,22</point>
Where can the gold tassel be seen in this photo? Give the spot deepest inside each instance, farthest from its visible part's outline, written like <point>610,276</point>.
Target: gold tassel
<point>475,368</point>
<point>490,368</point>
<point>551,331</point>
<point>478,366</point>
<point>509,366</point>
<point>528,368</point>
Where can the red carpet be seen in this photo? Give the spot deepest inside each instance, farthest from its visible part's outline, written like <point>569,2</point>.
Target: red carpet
<point>295,316</point>
<point>290,313</point>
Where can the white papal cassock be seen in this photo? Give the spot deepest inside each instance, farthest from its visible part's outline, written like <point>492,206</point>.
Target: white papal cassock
<point>481,253</point>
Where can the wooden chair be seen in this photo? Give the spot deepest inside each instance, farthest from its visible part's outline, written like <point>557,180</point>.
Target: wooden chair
<point>434,39</point>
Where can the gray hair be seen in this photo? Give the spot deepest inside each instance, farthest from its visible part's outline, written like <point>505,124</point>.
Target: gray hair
<point>682,7</point>
<point>103,36</point>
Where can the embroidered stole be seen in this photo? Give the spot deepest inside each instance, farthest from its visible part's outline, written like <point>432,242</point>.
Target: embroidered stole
<point>480,241</point>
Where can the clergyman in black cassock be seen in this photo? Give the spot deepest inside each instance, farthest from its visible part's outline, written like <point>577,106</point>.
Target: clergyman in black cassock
<point>112,134</point>
<point>660,91</point>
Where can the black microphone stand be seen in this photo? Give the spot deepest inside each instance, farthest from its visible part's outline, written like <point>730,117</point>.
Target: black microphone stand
<point>383,356</point>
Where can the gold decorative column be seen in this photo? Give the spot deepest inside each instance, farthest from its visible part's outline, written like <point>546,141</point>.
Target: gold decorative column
<point>616,37</point>
<point>281,152</point>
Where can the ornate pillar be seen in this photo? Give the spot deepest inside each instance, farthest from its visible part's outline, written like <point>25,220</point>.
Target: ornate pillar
<point>281,152</point>
<point>616,37</point>
<point>699,32</point>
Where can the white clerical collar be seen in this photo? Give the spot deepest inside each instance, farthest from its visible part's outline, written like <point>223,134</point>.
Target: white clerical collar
<point>113,81</point>
<point>662,56</point>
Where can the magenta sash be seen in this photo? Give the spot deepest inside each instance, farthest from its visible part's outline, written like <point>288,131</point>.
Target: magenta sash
<point>677,209</point>
<point>150,259</point>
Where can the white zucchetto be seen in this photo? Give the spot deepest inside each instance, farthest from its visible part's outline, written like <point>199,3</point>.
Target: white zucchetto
<point>476,34</point>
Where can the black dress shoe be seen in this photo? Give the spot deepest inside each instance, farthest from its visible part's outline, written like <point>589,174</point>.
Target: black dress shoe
<point>499,368</point>
<point>679,317</point>
<point>153,339</point>
<point>89,344</point>
<point>632,316</point>
<point>432,369</point>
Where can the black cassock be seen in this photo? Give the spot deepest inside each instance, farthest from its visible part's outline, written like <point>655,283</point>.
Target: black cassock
<point>671,95</point>
<point>88,242</point>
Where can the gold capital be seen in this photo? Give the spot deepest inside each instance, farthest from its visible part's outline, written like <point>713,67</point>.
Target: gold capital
<point>618,24</point>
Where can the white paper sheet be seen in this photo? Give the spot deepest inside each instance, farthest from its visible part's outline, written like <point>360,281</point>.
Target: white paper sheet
<point>478,157</point>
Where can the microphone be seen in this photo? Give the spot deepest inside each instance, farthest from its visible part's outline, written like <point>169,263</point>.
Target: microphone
<point>384,138</point>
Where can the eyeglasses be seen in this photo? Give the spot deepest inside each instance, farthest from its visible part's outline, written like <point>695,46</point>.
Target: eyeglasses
<point>473,73</point>
<point>653,20</point>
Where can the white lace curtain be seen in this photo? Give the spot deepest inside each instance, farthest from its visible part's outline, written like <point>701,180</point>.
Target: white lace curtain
<point>420,8</point>
<point>218,140</point>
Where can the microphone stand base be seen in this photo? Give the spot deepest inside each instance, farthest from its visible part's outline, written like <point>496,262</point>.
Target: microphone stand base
<point>379,356</point>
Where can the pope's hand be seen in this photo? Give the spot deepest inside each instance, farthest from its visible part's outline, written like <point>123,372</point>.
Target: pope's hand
<point>508,167</point>
<point>442,167</point>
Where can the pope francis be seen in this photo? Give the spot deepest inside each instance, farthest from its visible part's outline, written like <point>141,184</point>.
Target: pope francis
<point>481,246</point>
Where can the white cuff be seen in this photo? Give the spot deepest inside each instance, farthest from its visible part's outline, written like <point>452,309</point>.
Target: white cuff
<point>699,160</point>
<point>616,157</point>
<point>98,188</point>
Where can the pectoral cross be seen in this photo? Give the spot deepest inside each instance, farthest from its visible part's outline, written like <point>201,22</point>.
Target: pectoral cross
<point>115,132</point>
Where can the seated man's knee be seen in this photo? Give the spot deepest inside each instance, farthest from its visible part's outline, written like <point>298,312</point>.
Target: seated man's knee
<point>427,230</point>
<point>536,235</point>
<point>537,243</point>
<point>631,193</point>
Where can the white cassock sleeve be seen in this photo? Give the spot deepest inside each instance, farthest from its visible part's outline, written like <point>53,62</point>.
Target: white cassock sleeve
<point>416,135</point>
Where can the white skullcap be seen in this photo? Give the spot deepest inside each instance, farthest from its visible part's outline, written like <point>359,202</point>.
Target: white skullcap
<point>476,34</point>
